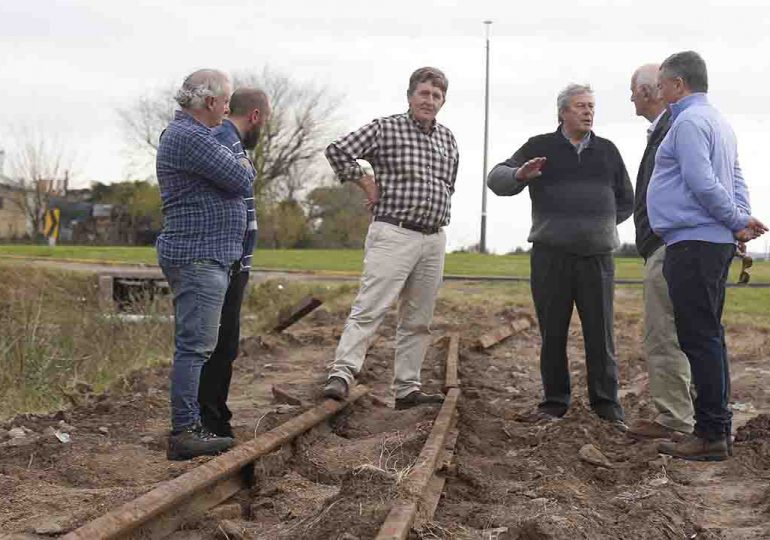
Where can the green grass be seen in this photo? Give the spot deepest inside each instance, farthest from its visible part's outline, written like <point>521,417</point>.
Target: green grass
<point>350,261</point>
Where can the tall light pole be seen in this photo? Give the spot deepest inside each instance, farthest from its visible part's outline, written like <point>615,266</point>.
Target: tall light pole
<point>483,240</point>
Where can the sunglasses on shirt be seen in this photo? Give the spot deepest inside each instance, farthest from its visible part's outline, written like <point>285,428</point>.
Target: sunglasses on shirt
<point>746,263</point>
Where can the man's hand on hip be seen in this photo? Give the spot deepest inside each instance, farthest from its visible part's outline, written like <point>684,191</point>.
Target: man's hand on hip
<point>371,191</point>
<point>530,170</point>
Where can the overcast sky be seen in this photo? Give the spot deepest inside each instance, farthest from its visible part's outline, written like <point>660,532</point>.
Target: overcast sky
<point>67,65</point>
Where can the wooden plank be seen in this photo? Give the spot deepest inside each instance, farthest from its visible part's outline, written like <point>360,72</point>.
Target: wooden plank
<point>161,505</point>
<point>495,336</point>
<point>452,359</point>
<point>427,508</point>
<point>305,306</point>
<point>416,485</point>
<point>504,331</point>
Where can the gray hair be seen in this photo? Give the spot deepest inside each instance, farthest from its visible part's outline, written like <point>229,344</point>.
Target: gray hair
<point>202,84</point>
<point>566,95</point>
<point>647,75</point>
<point>690,67</point>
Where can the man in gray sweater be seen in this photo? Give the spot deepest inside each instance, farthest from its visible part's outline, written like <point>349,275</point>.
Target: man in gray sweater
<point>580,191</point>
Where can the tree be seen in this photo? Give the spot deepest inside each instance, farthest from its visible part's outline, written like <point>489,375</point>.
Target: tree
<point>143,121</point>
<point>39,168</point>
<point>290,150</point>
<point>289,153</point>
<point>284,226</point>
<point>338,216</point>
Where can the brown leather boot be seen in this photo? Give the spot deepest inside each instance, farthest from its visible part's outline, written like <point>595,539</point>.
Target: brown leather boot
<point>694,448</point>
<point>648,430</point>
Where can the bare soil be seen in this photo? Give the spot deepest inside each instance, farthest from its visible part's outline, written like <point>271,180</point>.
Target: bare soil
<point>514,478</point>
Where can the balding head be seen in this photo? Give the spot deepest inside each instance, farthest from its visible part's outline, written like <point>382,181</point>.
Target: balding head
<point>647,75</point>
<point>644,92</point>
<point>245,100</point>
<point>249,111</point>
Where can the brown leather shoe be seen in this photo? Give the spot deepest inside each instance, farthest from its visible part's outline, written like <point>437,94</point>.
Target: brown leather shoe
<point>416,398</point>
<point>694,448</point>
<point>648,430</point>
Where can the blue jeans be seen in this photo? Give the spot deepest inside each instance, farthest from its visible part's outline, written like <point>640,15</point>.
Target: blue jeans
<point>696,273</point>
<point>199,292</point>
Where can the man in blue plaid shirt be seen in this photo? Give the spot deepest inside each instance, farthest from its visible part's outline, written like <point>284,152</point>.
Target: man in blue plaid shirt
<point>202,188</point>
<point>249,110</point>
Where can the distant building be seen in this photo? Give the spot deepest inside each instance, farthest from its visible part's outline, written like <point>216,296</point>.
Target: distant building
<point>14,223</point>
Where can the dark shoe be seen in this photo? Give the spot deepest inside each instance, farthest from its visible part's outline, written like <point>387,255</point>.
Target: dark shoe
<point>336,388</point>
<point>694,448</point>
<point>418,398</point>
<point>220,430</point>
<point>537,416</point>
<point>648,430</point>
<point>618,425</point>
<point>195,441</point>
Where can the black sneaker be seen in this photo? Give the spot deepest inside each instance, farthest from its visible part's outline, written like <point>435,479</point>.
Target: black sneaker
<point>418,398</point>
<point>194,441</point>
<point>220,430</point>
<point>336,388</point>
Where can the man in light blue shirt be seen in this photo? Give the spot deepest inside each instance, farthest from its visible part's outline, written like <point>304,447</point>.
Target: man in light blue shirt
<point>698,204</point>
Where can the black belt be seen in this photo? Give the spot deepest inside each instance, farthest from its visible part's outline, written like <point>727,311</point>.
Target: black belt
<point>408,225</point>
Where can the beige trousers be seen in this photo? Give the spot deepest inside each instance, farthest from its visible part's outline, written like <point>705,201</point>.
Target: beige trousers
<point>402,265</point>
<point>668,367</point>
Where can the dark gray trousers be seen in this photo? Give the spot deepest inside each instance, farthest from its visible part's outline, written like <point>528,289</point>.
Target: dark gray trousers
<point>560,280</point>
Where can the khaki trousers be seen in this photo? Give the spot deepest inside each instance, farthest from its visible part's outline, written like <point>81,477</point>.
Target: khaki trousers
<point>402,265</point>
<point>667,365</point>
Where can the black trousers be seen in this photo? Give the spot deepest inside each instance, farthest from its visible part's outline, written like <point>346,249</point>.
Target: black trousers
<point>217,371</point>
<point>696,273</point>
<point>560,281</point>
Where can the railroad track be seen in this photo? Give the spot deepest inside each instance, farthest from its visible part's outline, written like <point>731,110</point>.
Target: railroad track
<point>182,500</point>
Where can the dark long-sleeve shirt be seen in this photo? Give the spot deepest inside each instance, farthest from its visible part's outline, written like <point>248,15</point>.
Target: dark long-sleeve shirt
<point>579,199</point>
<point>646,240</point>
<point>228,135</point>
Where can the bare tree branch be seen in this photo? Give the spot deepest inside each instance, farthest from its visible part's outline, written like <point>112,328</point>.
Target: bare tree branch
<point>40,168</point>
<point>290,153</point>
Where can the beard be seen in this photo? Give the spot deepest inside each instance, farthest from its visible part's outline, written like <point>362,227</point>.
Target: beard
<point>251,138</point>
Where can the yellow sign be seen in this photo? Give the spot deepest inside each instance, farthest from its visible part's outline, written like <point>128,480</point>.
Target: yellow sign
<point>51,223</point>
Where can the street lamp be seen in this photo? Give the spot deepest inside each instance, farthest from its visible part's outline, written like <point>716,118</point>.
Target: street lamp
<point>483,241</point>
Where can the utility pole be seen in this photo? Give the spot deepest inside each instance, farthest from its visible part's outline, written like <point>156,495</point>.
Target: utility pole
<point>483,240</point>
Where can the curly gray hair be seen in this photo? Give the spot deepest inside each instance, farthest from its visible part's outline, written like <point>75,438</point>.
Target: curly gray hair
<point>200,85</point>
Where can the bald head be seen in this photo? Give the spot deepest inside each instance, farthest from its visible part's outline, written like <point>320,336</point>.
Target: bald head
<point>245,100</point>
<point>249,112</point>
<point>644,92</point>
<point>646,75</point>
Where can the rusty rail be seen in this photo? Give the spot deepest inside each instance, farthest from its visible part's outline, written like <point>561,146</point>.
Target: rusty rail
<point>420,486</point>
<point>161,511</point>
<point>402,514</point>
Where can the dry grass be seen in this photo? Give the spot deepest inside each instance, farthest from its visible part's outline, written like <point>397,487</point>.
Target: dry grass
<point>54,339</point>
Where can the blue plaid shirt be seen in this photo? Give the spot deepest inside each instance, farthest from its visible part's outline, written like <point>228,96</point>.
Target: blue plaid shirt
<point>228,135</point>
<point>202,187</point>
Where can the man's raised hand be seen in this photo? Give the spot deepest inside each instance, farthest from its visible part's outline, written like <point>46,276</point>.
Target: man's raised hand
<point>531,169</point>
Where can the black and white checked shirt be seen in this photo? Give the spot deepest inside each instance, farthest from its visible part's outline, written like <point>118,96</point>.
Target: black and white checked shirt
<point>414,170</point>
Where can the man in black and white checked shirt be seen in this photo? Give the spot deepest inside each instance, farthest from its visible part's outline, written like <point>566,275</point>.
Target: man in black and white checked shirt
<point>414,160</point>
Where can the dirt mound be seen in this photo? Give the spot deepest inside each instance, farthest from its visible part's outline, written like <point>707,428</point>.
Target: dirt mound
<point>756,429</point>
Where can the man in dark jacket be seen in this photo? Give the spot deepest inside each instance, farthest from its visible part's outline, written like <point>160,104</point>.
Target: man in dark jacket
<point>580,191</point>
<point>667,365</point>
<point>249,112</point>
